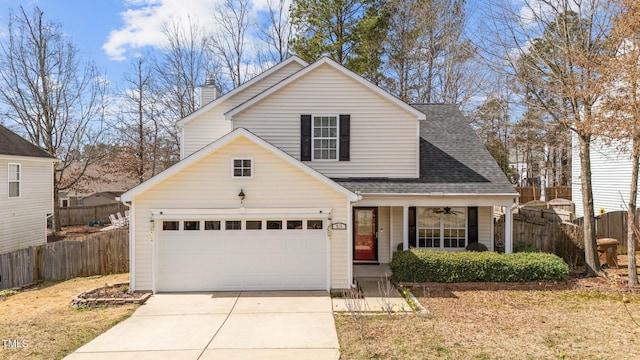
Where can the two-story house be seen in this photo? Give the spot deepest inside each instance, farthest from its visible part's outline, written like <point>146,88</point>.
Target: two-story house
<point>26,196</point>
<point>289,180</point>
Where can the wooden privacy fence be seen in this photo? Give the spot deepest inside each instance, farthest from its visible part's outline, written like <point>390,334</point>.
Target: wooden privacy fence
<point>82,215</point>
<point>561,238</point>
<point>531,193</point>
<point>97,254</point>
<point>612,225</point>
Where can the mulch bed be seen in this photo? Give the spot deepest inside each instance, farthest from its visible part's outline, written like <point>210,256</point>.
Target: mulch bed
<point>113,294</point>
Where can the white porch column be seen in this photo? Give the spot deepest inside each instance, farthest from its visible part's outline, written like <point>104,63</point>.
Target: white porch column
<point>405,228</point>
<point>508,230</point>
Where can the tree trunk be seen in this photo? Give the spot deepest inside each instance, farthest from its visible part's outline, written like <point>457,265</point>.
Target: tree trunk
<point>590,248</point>
<point>631,215</point>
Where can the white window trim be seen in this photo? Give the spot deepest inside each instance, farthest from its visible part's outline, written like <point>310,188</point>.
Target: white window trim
<point>9,181</point>
<point>253,167</point>
<point>442,247</point>
<point>313,138</point>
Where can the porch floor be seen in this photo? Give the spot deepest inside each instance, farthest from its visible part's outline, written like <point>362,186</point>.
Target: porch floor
<point>371,271</point>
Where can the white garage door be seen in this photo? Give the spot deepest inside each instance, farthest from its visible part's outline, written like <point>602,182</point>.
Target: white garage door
<point>222,255</point>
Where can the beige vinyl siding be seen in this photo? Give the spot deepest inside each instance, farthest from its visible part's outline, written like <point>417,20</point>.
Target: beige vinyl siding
<point>384,137</point>
<point>485,222</point>
<point>396,229</point>
<point>208,184</point>
<point>384,214</point>
<point>23,219</point>
<point>212,125</point>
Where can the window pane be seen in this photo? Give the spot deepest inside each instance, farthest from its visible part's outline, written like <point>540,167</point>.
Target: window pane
<point>233,225</point>
<point>333,121</point>
<point>170,225</point>
<point>14,189</point>
<point>274,224</point>
<point>14,172</point>
<point>254,225</point>
<point>314,224</point>
<point>192,225</point>
<point>212,225</point>
<point>294,224</point>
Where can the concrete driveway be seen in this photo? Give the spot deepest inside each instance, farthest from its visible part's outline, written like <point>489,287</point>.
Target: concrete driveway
<point>243,325</point>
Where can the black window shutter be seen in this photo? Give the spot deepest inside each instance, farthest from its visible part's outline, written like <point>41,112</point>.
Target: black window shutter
<point>412,226</point>
<point>473,224</point>
<point>345,134</point>
<point>305,137</point>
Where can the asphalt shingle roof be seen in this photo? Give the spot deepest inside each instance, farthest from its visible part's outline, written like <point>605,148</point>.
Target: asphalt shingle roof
<point>453,160</point>
<point>12,144</point>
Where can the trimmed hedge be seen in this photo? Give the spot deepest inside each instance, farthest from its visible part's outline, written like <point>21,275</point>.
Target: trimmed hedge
<point>420,265</point>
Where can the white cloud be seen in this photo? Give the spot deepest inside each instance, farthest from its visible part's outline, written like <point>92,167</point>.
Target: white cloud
<point>144,19</point>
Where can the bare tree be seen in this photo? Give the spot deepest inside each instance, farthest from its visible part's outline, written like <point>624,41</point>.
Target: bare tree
<point>180,69</point>
<point>228,42</point>
<point>52,94</point>
<point>275,33</point>
<point>553,48</point>
<point>622,103</point>
<point>138,125</point>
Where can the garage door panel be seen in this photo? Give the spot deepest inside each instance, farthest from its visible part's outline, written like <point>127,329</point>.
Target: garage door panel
<point>241,260</point>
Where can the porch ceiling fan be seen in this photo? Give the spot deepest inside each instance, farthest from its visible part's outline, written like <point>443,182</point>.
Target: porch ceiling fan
<point>447,211</point>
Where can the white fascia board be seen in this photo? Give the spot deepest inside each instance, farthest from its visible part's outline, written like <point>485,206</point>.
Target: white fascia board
<point>214,103</point>
<point>241,213</point>
<point>21,158</point>
<point>224,140</point>
<point>325,60</point>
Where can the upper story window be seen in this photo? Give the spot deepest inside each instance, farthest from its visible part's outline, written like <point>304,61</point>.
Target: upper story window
<point>242,168</point>
<point>325,137</point>
<point>14,180</point>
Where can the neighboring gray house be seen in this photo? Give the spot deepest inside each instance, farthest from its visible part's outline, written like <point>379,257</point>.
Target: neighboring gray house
<point>289,180</point>
<point>26,193</point>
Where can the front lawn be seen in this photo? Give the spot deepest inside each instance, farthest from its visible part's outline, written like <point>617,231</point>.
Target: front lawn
<point>45,325</point>
<point>582,321</point>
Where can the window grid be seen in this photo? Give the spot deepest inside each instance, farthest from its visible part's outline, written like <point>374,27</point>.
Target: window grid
<point>441,231</point>
<point>242,168</point>
<point>325,137</point>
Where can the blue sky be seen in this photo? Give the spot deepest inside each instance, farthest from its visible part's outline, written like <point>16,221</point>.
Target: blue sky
<point>112,32</point>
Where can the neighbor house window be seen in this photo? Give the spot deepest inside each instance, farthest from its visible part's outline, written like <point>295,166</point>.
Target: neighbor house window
<point>325,138</point>
<point>440,229</point>
<point>14,180</point>
<point>243,168</point>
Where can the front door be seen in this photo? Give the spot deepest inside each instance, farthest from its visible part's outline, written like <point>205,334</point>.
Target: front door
<point>365,234</point>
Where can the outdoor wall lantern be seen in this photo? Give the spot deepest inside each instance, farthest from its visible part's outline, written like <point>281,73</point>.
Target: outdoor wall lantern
<point>241,195</point>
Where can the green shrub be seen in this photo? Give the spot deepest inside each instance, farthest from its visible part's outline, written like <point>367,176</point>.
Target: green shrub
<point>521,246</point>
<point>420,265</point>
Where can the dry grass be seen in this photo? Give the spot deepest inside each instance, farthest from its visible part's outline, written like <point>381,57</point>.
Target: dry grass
<point>52,329</point>
<point>584,322</point>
